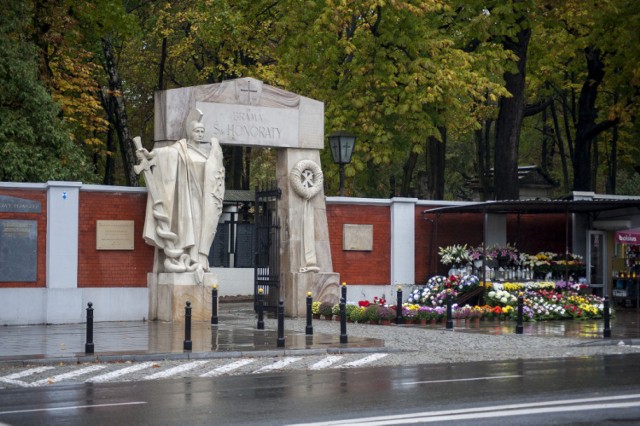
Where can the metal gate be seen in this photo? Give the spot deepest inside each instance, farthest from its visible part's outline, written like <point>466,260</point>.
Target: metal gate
<point>267,246</point>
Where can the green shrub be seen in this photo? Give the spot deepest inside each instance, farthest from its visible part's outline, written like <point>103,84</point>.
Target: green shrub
<point>326,309</point>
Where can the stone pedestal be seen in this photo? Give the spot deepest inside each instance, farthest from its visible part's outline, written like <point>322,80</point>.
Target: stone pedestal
<point>174,290</point>
<point>324,286</point>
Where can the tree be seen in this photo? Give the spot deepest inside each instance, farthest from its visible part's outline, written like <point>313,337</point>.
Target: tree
<point>391,74</point>
<point>35,144</point>
<point>584,57</point>
<point>201,44</point>
<point>511,112</point>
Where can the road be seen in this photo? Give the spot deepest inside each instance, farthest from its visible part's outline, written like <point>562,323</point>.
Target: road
<point>589,390</point>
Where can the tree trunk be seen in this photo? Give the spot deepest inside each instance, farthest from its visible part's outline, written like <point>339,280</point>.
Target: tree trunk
<point>613,163</point>
<point>236,167</point>
<point>108,160</point>
<point>483,160</point>
<point>436,164</point>
<point>163,60</point>
<point>559,141</point>
<point>587,114</point>
<point>586,128</point>
<point>246,183</point>
<point>509,121</point>
<point>407,174</point>
<point>118,114</point>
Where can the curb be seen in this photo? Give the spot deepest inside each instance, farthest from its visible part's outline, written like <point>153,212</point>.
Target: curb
<point>612,342</point>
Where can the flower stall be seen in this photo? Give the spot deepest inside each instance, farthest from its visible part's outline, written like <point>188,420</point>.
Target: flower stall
<point>590,223</point>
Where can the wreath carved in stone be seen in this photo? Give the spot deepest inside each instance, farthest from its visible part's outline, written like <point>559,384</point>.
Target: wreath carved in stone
<point>306,178</point>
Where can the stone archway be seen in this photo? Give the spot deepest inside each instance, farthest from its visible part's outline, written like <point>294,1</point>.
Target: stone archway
<point>249,113</point>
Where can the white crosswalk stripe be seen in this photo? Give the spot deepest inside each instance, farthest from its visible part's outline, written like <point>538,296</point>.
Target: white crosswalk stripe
<point>175,370</point>
<point>326,362</point>
<point>227,368</point>
<point>25,373</point>
<point>165,370</point>
<point>365,360</point>
<point>12,378</point>
<point>118,373</point>
<point>68,375</point>
<point>278,365</point>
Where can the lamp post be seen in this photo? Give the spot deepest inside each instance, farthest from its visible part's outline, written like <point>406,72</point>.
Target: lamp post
<point>342,144</point>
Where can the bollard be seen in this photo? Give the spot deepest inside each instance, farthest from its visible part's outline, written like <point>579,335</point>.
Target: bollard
<point>260,325</point>
<point>449,316</point>
<point>399,319</point>
<point>309,330</point>
<point>214,305</point>
<point>519,328</point>
<point>344,291</point>
<point>187,327</point>
<point>88,347</point>
<point>280,324</point>
<point>343,321</point>
<point>607,326</point>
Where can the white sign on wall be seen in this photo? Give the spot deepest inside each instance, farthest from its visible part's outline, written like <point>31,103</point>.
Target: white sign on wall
<point>250,125</point>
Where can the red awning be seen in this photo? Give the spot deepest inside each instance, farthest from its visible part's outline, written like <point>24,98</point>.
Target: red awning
<point>628,236</point>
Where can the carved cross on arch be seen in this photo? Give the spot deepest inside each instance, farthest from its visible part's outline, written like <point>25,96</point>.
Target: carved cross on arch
<point>249,91</point>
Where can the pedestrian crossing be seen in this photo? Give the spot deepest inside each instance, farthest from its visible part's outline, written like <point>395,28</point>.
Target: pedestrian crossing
<point>104,373</point>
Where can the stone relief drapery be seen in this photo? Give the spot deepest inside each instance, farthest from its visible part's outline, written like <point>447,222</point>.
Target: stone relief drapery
<point>306,179</point>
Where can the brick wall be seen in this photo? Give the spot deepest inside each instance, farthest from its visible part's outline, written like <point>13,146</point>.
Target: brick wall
<point>443,230</point>
<point>39,195</point>
<point>361,267</point>
<point>533,233</point>
<point>125,268</point>
<point>112,268</point>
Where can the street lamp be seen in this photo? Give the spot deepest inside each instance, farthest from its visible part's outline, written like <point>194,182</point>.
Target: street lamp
<point>342,144</point>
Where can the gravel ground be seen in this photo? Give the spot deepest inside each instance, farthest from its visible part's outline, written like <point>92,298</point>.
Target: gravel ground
<point>419,345</point>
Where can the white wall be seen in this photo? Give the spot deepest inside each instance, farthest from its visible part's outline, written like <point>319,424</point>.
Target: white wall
<point>20,306</point>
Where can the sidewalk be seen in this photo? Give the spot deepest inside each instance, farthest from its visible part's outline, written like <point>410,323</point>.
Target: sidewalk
<point>236,335</point>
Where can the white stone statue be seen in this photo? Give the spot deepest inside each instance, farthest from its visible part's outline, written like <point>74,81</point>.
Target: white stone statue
<point>186,189</point>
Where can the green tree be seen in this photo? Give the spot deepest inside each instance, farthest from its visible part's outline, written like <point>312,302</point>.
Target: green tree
<point>35,144</point>
<point>391,74</point>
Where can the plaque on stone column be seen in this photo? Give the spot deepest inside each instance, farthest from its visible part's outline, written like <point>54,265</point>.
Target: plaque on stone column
<point>18,250</point>
<point>219,253</point>
<point>244,245</point>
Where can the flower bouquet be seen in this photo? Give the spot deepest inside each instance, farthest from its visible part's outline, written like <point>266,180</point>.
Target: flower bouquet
<point>386,314</point>
<point>315,310</point>
<point>456,254</point>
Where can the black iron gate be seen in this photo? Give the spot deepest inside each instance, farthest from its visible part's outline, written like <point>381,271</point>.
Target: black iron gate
<point>267,246</point>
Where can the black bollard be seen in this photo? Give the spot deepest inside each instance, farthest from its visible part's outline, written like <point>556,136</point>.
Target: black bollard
<point>260,325</point>
<point>214,305</point>
<point>607,326</point>
<point>519,327</point>
<point>399,319</point>
<point>280,324</point>
<point>449,316</point>
<point>309,330</point>
<point>88,347</point>
<point>187,327</point>
<point>344,291</point>
<point>343,321</point>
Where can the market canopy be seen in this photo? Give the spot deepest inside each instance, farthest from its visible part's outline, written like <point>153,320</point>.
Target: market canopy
<point>628,236</point>
<point>539,206</point>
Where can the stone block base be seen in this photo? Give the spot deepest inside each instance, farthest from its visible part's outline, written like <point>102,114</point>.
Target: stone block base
<point>175,290</point>
<point>324,287</point>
